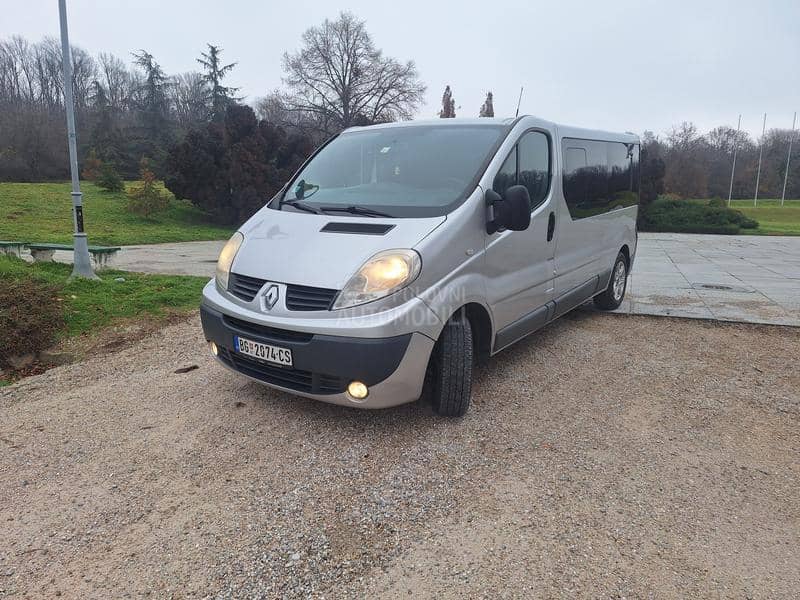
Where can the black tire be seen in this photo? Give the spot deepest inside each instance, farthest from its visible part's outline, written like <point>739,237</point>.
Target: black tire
<point>613,295</point>
<point>449,375</point>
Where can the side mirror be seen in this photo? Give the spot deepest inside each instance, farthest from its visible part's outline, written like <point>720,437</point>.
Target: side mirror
<point>512,212</point>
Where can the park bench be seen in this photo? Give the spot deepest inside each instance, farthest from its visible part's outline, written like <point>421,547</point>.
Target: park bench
<point>101,255</point>
<point>12,248</point>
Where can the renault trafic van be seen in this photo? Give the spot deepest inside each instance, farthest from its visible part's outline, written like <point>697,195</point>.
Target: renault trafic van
<point>400,254</point>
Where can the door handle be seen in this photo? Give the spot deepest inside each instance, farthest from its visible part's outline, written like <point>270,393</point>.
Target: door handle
<point>551,226</point>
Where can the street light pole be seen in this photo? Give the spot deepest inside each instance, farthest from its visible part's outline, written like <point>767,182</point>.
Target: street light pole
<point>82,266</point>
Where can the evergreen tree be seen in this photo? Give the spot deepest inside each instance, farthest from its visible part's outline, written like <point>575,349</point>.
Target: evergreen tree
<point>448,105</point>
<point>91,166</point>
<point>229,167</point>
<point>153,103</point>
<point>219,96</point>
<point>487,110</point>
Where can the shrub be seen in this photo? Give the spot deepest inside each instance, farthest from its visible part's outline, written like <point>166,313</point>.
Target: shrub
<point>671,196</point>
<point>717,202</point>
<point>230,168</point>
<point>31,315</point>
<point>686,216</point>
<point>109,179</point>
<point>92,166</point>
<point>146,199</point>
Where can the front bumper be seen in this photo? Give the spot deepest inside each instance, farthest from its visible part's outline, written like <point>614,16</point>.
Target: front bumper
<point>393,367</point>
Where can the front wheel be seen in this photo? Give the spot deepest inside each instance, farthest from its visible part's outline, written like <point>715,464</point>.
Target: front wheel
<point>612,297</point>
<point>449,376</point>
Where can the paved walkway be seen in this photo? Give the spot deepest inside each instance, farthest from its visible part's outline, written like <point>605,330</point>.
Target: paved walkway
<point>752,279</point>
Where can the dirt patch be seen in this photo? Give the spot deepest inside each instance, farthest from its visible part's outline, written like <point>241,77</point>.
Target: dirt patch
<point>605,456</point>
<point>121,335</point>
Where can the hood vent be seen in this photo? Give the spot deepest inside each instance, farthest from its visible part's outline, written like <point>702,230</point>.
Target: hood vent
<point>358,228</point>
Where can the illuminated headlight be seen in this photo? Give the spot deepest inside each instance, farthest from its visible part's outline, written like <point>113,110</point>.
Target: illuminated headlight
<point>385,273</point>
<point>225,261</point>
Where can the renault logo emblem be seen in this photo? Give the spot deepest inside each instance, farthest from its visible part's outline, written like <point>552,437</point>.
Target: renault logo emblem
<point>271,296</point>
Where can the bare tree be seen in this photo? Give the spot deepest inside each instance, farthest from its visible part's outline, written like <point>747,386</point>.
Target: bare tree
<point>448,105</point>
<point>340,78</point>
<point>116,79</point>
<point>687,170</point>
<point>189,96</point>
<point>487,110</point>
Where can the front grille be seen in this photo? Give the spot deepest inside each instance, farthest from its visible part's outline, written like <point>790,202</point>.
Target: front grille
<point>293,379</point>
<point>298,297</point>
<point>263,331</point>
<point>244,287</point>
<point>301,297</point>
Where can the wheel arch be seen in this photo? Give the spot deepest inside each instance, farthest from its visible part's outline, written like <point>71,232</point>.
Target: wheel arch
<point>482,326</point>
<point>626,252</point>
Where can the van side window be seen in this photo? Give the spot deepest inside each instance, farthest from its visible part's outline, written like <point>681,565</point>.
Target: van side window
<point>534,165</point>
<point>623,163</point>
<point>574,183</point>
<point>507,175</point>
<point>599,176</point>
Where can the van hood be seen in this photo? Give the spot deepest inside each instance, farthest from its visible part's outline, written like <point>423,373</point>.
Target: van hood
<point>290,247</point>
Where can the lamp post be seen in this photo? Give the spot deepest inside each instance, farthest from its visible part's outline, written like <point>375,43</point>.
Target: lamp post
<point>82,266</point>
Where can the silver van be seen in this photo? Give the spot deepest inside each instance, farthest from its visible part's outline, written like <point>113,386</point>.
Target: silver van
<point>400,254</point>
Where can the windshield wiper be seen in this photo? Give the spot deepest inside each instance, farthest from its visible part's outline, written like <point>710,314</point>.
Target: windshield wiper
<point>300,205</point>
<point>355,210</point>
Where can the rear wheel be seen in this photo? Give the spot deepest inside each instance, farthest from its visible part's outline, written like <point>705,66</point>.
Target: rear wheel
<point>612,297</point>
<point>449,376</point>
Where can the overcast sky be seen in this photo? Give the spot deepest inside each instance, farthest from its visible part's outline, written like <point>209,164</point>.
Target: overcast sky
<point>618,65</point>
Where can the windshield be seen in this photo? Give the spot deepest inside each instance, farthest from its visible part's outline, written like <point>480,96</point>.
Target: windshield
<point>411,171</point>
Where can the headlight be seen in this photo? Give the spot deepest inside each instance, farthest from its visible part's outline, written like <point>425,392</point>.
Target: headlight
<point>383,274</point>
<point>225,260</point>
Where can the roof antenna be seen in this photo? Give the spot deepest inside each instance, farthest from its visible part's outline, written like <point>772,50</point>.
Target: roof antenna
<point>518,101</point>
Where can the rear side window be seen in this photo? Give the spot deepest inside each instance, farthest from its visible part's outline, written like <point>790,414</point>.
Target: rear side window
<point>527,164</point>
<point>599,176</point>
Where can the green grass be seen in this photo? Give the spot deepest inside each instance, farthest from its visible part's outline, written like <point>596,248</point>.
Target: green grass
<point>42,212</point>
<point>773,219</point>
<point>90,305</point>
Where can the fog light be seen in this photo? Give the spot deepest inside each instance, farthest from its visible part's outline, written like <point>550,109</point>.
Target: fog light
<point>214,349</point>
<point>357,390</point>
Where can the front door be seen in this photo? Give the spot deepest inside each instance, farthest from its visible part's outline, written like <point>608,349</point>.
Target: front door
<point>520,264</point>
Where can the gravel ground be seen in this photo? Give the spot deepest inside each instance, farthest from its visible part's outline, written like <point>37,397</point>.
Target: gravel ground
<point>605,456</point>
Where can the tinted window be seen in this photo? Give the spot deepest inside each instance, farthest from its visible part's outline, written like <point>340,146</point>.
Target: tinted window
<point>534,165</point>
<point>575,163</point>
<point>599,176</point>
<point>507,175</point>
<point>403,171</point>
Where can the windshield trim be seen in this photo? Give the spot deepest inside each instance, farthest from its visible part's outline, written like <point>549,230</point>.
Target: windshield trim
<point>432,211</point>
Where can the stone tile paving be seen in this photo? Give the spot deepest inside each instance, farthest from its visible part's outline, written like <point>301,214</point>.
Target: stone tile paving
<point>754,279</point>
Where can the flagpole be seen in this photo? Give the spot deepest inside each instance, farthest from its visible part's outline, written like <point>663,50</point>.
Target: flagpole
<point>760,154</point>
<point>788,158</point>
<point>733,168</point>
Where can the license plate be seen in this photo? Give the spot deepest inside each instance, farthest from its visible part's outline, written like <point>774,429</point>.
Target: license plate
<point>265,352</point>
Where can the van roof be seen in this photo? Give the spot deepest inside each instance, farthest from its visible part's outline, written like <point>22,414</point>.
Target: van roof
<point>563,130</point>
